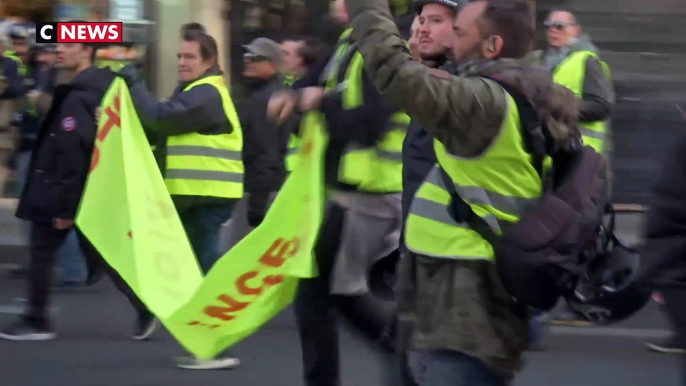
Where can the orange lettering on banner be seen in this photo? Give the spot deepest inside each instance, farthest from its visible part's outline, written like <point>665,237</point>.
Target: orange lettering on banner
<point>113,119</point>
<point>271,259</point>
<point>242,284</point>
<point>274,257</point>
<point>222,312</point>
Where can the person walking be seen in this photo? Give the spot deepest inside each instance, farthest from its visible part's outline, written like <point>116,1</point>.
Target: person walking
<point>55,183</point>
<point>198,144</point>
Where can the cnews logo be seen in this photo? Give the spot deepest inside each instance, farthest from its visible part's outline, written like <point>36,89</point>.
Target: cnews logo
<point>94,32</point>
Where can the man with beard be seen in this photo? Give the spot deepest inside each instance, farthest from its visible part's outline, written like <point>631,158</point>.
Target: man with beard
<point>451,303</point>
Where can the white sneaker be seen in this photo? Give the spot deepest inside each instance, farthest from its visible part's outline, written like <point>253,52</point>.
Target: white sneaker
<point>221,363</point>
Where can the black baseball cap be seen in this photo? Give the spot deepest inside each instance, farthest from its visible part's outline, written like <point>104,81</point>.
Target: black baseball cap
<point>455,5</point>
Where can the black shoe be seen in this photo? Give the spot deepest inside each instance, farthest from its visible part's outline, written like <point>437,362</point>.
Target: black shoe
<point>23,331</point>
<point>146,325</point>
<point>673,344</point>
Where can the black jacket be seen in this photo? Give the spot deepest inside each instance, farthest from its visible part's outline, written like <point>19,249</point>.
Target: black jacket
<point>663,258</point>
<point>418,159</point>
<point>264,144</point>
<point>62,153</point>
<point>199,109</point>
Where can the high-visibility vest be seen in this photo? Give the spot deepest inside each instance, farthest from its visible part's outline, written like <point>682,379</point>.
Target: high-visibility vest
<point>376,169</point>
<point>570,73</point>
<point>21,67</point>
<point>499,186</point>
<point>29,106</point>
<point>207,165</point>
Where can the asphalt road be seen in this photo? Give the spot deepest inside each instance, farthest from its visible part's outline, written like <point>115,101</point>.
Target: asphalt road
<point>93,349</point>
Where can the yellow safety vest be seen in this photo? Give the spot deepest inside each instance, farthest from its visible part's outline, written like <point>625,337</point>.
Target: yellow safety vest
<point>114,65</point>
<point>23,71</point>
<point>499,186</point>
<point>207,165</point>
<point>376,169</point>
<point>570,73</point>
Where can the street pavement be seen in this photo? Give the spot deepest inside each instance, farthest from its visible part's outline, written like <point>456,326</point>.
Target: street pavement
<point>93,346</point>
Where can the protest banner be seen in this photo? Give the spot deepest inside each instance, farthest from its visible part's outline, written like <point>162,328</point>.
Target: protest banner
<point>128,215</point>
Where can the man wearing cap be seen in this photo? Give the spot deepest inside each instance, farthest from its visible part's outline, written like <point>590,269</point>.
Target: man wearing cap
<point>264,141</point>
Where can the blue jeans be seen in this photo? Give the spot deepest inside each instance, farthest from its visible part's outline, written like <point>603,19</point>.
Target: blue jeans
<point>69,254</point>
<point>537,326</point>
<point>450,368</point>
<point>203,227</point>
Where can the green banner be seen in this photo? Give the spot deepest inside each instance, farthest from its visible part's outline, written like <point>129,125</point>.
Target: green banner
<point>128,215</point>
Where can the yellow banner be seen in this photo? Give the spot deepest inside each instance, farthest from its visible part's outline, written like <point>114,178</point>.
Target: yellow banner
<point>127,213</point>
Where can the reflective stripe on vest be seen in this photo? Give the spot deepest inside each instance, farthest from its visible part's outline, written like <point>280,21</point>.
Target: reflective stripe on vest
<point>375,169</point>
<point>330,73</point>
<point>499,186</point>
<point>207,165</point>
<point>571,73</point>
<point>21,68</point>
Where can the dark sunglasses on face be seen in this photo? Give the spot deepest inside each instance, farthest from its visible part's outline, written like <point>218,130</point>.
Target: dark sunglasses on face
<point>558,25</point>
<point>254,58</point>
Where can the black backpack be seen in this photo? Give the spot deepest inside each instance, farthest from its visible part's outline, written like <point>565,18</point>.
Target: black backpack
<point>540,257</point>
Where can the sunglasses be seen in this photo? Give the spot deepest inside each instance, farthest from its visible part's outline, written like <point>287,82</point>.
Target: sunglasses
<point>255,58</point>
<point>558,25</point>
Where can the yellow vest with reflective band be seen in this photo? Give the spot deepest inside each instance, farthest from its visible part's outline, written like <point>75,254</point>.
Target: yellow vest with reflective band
<point>499,186</point>
<point>375,169</point>
<point>23,71</point>
<point>332,68</point>
<point>207,165</point>
<point>570,73</point>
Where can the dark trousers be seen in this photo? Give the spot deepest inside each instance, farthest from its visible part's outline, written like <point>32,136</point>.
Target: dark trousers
<point>44,243</point>
<point>316,311</point>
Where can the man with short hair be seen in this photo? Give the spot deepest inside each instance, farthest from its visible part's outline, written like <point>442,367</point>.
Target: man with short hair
<point>264,141</point>
<point>451,303</point>
<point>55,183</point>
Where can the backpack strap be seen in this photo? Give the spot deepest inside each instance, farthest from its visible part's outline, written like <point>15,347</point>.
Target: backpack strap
<point>461,212</point>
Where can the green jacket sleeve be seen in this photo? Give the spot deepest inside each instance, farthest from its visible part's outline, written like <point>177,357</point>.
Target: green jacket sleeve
<point>463,113</point>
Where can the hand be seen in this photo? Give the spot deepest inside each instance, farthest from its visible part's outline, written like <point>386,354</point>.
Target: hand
<point>311,98</point>
<point>281,105</point>
<point>33,96</point>
<point>129,74</point>
<point>62,223</point>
